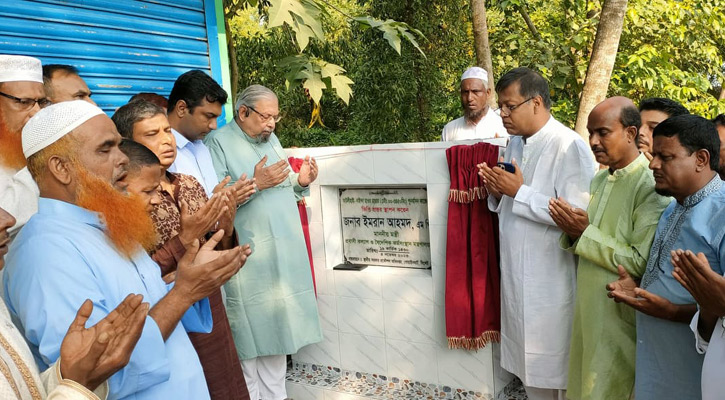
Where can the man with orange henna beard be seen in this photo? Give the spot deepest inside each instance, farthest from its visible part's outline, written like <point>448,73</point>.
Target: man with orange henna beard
<point>85,243</point>
<point>21,96</point>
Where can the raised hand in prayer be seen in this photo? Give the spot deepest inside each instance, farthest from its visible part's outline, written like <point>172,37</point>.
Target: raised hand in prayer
<point>625,285</point>
<point>204,270</point>
<point>497,180</point>
<point>243,189</point>
<point>221,185</point>
<point>489,188</point>
<point>705,285</point>
<point>267,177</point>
<point>226,221</point>
<point>195,226</point>
<point>573,221</point>
<point>625,290</point>
<point>308,172</point>
<point>89,356</point>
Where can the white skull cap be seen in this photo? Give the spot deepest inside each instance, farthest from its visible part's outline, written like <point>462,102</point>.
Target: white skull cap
<point>20,68</point>
<point>50,124</point>
<point>475,73</point>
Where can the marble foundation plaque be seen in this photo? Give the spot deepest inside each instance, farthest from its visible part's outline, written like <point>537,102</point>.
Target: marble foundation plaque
<point>385,226</point>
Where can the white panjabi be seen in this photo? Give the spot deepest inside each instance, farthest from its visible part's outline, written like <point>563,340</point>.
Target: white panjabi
<point>50,124</point>
<point>475,73</point>
<point>20,69</point>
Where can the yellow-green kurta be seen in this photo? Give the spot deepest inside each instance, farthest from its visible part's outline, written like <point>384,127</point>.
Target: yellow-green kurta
<point>623,215</point>
<point>271,302</point>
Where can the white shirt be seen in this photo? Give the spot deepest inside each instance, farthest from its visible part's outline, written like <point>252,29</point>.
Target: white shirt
<point>713,385</point>
<point>194,158</point>
<point>537,277</point>
<point>489,126</point>
<point>18,196</point>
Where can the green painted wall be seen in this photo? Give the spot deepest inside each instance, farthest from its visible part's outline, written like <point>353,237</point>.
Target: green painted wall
<point>224,57</point>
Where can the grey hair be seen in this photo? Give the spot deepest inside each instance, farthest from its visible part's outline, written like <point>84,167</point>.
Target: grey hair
<point>251,95</point>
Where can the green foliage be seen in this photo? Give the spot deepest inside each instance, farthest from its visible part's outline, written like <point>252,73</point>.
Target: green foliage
<point>669,48</point>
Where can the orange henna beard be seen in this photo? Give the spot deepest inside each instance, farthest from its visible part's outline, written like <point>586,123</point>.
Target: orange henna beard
<point>11,147</point>
<point>127,223</point>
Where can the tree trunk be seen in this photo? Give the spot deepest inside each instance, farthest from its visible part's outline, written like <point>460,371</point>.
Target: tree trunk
<point>233,67</point>
<point>483,49</point>
<point>604,53</point>
<point>722,92</point>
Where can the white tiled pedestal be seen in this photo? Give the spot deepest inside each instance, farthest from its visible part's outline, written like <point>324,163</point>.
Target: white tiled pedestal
<point>382,320</point>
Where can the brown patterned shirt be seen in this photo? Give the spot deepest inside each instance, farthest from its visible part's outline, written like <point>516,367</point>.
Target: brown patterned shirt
<point>167,219</point>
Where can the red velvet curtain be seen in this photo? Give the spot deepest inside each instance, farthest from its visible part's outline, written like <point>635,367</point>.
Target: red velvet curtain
<point>296,163</point>
<point>472,274</point>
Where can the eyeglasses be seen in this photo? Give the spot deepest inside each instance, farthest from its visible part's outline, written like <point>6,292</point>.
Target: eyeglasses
<point>507,110</point>
<point>27,103</point>
<point>266,117</point>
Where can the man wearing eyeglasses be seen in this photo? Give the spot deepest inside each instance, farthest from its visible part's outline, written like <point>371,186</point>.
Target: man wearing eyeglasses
<point>21,96</point>
<point>271,303</point>
<point>478,120</point>
<point>537,277</point>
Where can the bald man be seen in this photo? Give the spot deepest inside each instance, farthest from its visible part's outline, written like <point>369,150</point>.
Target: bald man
<point>616,231</point>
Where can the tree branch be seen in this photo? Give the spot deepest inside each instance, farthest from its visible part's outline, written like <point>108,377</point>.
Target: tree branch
<point>528,21</point>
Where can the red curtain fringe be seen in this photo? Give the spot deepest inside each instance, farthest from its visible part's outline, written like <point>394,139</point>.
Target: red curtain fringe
<point>476,343</point>
<point>466,196</point>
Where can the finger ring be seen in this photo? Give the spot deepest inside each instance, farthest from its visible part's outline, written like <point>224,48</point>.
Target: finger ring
<point>216,226</point>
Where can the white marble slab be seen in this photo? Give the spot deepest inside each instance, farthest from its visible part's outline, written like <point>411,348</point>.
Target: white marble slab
<point>410,322</point>
<point>363,353</point>
<point>358,284</point>
<point>361,316</point>
<point>297,391</point>
<point>408,289</point>
<point>326,352</point>
<point>412,360</point>
<point>327,308</point>
<point>466,369</point>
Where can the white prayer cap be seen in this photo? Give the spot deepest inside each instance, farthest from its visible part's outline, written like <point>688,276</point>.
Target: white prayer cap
<point>20,68</point>
<point>50,124</point>
<point>475,73</point>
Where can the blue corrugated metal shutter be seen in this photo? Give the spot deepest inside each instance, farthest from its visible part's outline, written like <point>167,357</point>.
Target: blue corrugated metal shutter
<point>121,47</point>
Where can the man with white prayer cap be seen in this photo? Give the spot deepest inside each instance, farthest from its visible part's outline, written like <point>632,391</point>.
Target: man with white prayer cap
<point>478,120</point>
<point>87,242</point>
<point>21,96</point>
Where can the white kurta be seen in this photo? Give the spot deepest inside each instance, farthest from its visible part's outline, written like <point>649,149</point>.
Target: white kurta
<point>713,386</point>
<point>18,196</point>
<point>490,126</point>
<point>537,276</point>
<point>19,376</point>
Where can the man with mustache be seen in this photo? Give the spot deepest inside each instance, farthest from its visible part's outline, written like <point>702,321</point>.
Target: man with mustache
<point>63,83</point>
<point>85,243</point>
<point>684,166</point>
<point>21,96</point>
<point>90,355</point>
<point>478,120</point>
<point>537,277</point>
<point>617,228</point>
<point>271,304</point>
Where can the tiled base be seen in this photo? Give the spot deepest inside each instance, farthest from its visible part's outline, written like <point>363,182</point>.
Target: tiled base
<point>316,382</point>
